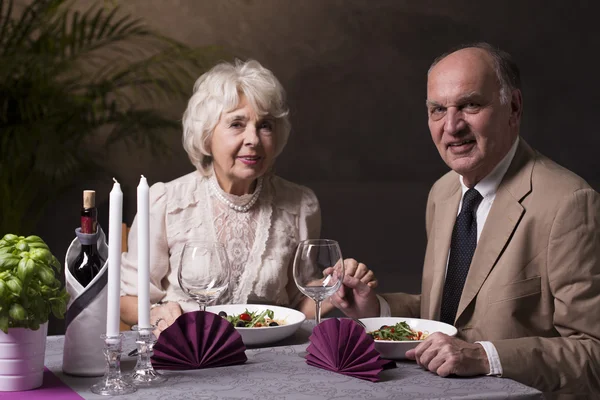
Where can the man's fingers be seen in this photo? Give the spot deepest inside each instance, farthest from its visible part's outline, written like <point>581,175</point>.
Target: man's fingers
<point>351,289</point>
<point>350,283</point>
<point>425,358</point>
<point>350,266</point>
<point>420,349</point>
<point>360,271</point>
<point>356,285</point>
<point>367,276</point>
<point>444,369</point>
<point>438,363</point>
<point>373,284</point>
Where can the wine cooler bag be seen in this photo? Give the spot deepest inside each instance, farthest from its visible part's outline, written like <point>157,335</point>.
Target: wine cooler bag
<point>86,313</point>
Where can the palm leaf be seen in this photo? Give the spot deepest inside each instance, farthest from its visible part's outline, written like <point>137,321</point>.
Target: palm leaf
<point>72,78</point>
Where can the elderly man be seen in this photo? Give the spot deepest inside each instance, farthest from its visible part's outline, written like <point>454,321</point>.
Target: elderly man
<point>513,252</point>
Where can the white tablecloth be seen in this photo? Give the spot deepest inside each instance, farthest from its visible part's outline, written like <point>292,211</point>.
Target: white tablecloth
<point>278,372</point>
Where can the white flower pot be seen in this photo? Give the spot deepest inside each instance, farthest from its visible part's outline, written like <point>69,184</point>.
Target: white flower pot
<point>22,358</point>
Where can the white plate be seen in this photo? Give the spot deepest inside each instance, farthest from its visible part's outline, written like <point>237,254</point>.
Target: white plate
<point>264,335</point>
<point>395,350</point>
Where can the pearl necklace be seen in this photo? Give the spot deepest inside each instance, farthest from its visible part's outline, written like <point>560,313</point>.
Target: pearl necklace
<point>230,204</point>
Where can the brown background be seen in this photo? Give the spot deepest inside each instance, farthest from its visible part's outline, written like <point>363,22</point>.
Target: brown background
<point>355,72</point>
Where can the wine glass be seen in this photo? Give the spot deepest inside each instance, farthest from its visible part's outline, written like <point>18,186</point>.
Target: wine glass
<point>203,272</point>
<point>318,270</point>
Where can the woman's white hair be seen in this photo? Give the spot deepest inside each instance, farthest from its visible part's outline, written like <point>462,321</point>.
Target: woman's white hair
<point>218,91</point>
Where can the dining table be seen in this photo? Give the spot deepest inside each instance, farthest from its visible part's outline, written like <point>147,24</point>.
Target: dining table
<point>277,371</point>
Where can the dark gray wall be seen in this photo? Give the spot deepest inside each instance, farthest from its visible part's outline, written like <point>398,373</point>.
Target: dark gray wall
<point>355,72</point>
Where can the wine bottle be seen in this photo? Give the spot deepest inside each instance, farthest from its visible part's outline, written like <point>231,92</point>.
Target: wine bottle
<point>88,262</point>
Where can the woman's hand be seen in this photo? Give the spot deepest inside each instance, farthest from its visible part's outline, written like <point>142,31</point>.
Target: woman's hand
<point>163,315</point>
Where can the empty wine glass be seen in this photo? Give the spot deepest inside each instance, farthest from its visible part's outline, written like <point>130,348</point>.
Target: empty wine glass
<point>203,272</point>
<point>318,270</point>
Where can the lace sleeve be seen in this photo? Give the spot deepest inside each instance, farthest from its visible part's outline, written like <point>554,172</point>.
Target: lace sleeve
<point>309,218</point>
<point>309,227</point>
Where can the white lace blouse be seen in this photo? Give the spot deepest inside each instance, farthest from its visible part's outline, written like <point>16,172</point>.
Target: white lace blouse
<point>260,243</point>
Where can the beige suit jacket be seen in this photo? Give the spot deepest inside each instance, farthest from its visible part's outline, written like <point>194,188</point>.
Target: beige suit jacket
<point>533,288</point>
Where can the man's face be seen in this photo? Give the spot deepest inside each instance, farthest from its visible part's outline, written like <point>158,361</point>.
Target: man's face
<point>470,127</point>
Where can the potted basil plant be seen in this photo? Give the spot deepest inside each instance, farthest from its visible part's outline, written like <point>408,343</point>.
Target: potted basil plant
<point>29,292</point>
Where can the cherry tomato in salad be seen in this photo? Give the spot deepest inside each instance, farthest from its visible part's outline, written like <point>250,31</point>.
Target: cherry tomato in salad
<point>245,317</point>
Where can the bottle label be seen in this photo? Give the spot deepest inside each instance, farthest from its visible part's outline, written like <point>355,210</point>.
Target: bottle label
<point>88,225</point>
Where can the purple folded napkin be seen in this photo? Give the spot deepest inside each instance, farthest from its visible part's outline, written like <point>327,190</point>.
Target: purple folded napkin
<point>196,340</point>
<point>343,346</point>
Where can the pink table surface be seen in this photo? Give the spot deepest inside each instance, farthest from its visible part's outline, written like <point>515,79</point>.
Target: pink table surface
<point>52,388</point>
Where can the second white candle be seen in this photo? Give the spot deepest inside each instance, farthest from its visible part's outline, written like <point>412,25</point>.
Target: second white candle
<point>143,227</point>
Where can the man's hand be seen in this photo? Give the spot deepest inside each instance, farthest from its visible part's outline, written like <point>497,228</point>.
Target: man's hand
<point>356,297</point>
<point>361,272</point>
<point>446,355</point>
<point>164,315</point>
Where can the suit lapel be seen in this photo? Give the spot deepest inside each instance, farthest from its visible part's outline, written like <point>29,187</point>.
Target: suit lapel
<point>445,216</point>
<point>504,216</point>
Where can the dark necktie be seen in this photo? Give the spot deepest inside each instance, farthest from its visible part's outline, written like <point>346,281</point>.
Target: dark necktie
<point>462,247</point>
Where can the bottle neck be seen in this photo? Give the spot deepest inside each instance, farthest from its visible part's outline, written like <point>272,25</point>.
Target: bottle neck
<point>89,220</point>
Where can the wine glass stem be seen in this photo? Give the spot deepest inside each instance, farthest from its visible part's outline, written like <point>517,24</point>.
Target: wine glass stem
<point>202,306</point>
<point>318,312</point>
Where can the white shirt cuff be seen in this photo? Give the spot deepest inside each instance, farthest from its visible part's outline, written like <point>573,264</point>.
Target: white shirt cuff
<point>384,307</point>
<point>493,358</point>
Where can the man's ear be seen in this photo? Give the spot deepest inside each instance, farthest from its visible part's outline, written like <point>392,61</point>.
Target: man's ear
<point>516,107</point>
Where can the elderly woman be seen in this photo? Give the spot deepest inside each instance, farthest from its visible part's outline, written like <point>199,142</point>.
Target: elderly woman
<point>235,126</point>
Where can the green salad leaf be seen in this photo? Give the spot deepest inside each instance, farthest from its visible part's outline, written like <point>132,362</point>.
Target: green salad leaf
<point>251,319</point>
<point>399,332</point>
<point>29,289</point>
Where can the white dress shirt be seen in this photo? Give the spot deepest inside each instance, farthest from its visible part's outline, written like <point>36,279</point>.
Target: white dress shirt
<point>487,187</point>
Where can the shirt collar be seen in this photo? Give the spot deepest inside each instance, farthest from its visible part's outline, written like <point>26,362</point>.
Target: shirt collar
<point>489,185</point>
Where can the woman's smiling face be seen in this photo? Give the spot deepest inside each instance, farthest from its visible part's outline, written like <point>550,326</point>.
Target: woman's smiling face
<point>243,147</point>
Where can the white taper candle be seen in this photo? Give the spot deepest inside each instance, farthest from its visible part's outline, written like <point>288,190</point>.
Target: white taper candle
<point>143,228</point>
<point>115,221</point>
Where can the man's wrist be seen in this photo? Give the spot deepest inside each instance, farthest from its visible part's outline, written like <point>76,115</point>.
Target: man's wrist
<point>493,366</point>
<point>484,359</point>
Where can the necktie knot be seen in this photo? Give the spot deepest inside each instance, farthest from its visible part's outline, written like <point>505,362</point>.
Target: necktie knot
<point>471,200</point>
